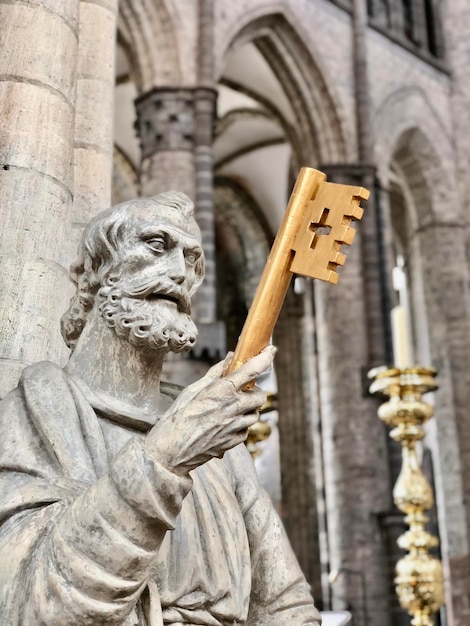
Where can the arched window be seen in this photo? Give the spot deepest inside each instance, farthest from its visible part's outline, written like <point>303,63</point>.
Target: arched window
<point>413,22</point>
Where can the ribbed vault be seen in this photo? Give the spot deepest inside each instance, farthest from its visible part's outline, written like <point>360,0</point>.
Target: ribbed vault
<point>148,31</point>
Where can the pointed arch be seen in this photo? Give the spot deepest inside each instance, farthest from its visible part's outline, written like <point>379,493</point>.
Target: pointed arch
<point>148,31</point>
<point>409,131</point>
<point>320,134</point>
<point>240,220</point>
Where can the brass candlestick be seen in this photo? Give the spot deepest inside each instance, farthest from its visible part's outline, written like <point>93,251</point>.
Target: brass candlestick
<point>261,430</point>
<point>419,580</point>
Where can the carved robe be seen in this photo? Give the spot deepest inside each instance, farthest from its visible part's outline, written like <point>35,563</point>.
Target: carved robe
<point>96,532</point>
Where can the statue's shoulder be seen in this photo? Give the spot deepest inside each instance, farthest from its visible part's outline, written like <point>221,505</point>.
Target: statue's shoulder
<point>46,385</point>
<point>42,394</point>
<point>40,367</point>
<point>36,376</point>
<point>43,373</point>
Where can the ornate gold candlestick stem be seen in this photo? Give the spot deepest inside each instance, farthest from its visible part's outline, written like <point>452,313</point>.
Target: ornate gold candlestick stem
<point>419,579</point>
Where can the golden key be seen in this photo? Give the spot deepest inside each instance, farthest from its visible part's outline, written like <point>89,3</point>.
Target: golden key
<point>316,224</point>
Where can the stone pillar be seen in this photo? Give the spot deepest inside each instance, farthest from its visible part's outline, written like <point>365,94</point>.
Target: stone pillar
<point>447,298</point>
<point>93,148</point>
<point>356,484</point>
<point>299,501</point>
<point>165,124</point>
<point>211,339</point>
<point>37,100</point>
<point>313,413</point>
<point>354,442</point>
<point>205,114</point>
<point>205,99</point>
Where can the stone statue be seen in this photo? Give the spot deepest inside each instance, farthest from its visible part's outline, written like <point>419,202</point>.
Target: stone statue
<point>124,501</point>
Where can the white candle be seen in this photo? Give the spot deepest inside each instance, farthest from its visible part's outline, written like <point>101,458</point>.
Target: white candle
<point>401,338</point>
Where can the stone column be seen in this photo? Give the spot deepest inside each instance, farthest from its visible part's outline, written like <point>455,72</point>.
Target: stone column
<point>299,498</point>
<point>447,298</point>
<point>349,336</point>
<point>37,99</point>
<point>205,112</point>
<point>448,306</point>
<point>211,339</point>
<point>165,124</point>
<point>355,473</point>
<point>93,148</point>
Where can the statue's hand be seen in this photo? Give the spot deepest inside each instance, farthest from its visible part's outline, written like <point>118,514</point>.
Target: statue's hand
<point>210,416</point>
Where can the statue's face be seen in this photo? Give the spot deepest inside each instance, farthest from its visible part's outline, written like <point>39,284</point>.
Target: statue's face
<point>146,299</point>
<point>159,258</point>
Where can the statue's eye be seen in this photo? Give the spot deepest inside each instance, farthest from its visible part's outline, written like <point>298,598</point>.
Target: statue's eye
<point>191,258</point>
<point>157,244</point>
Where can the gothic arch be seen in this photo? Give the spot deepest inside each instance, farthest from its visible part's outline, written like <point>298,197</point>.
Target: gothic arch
<point>408,128</point>
<point>415,161</point>
<point>289,52</point>
<point>243,242</point>
<point>148,31</point>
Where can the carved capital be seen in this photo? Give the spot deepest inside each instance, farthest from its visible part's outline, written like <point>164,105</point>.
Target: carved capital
<point>165,120</point>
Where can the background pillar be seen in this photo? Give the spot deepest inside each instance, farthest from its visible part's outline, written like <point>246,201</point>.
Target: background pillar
<point>350,338</point>
<point>355,474</point>
<point>299,497</point>
<point>205,114</point>
<point>442,247</point>
<point>165,124</point>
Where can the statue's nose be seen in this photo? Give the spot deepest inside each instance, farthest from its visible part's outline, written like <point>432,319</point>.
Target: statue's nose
<point>178,279</point>
<point>178,267</point>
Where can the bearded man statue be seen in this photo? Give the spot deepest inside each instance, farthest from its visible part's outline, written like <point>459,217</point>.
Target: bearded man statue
<point>124,501</point>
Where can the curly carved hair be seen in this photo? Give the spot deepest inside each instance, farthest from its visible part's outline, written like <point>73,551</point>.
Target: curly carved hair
<point>98,255</point>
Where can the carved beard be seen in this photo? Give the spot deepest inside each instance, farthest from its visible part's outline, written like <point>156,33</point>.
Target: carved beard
<point>147,323</point>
